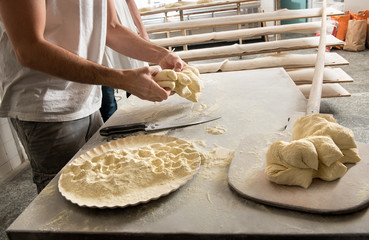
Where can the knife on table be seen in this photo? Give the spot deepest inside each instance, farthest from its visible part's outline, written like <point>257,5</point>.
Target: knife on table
<point>151,126</point>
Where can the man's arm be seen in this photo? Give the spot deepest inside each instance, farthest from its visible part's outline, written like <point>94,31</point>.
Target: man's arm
<point>136,16</point>
<point>124,41</point>
<point>33,51</point>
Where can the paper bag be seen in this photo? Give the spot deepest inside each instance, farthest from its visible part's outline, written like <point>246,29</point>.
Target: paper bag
<point>342,25</point>
<point>355,36</point>
<point>367,32</point>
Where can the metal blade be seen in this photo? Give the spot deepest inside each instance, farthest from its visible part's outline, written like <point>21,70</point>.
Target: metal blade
<point>160,126</point>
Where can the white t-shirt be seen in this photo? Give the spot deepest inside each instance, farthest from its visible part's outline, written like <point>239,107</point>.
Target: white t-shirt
<point>78,26</point>
<point>114,59</point>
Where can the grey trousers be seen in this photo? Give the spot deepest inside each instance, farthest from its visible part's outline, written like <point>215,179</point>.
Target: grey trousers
<point>51,145</point>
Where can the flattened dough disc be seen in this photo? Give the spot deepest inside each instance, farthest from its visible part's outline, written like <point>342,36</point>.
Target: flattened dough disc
<point>345,195</point>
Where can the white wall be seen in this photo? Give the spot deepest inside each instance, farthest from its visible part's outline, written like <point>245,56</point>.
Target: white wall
<point>355,6</point>
<point>267,5</point>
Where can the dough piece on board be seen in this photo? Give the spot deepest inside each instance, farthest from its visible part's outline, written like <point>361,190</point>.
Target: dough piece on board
<point>280,172</point>
<point>328,152</point>
<point>332,143</point>
<point>326,125</point>
<point>298,162</point>
<point>350,156</point>
<point>331,173</point>
<point>299,153</point>
<point>323,125</point>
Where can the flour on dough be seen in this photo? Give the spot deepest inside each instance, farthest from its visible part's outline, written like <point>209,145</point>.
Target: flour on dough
<point>130,173</point>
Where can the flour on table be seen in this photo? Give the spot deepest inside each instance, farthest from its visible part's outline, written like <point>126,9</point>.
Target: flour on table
<point>200,108</point>
<point>215,163</point>
<point>129,171</point>
<point>216,130</point>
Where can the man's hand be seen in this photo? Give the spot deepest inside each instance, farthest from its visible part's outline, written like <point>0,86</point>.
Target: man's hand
<point>142,84</point>
<point>172,61</point>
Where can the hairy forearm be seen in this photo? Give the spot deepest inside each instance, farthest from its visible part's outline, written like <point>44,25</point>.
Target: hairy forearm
<point>126,42</point>
<point>136,16</point>
<point>46,57</point>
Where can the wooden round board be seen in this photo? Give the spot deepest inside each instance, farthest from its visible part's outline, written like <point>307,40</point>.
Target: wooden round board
<point>345,195</point>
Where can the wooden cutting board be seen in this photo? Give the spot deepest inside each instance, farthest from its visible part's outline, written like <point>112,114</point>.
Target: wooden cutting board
<point>345,195</point>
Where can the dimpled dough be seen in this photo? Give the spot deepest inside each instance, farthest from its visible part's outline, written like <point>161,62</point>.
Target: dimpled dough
<point>129,175</point>
<point>186,84</point>
<point>319,149</point>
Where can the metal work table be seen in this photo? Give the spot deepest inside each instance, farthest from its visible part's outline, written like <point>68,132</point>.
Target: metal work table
<point>256,101</point>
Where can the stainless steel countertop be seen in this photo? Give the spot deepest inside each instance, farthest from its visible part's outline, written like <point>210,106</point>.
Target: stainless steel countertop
<point>256,101</point>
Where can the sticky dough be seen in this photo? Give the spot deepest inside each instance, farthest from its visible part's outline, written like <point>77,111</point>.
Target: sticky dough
<point>319,149</point>
<point>186,84</point>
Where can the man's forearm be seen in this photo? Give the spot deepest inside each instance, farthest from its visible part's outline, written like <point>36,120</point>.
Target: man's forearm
<point>136,16</point>
<point>126,42</point>
<point>46,57</point>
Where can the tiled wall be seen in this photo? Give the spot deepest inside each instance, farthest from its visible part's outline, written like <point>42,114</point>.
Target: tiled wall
<point>10,158</point>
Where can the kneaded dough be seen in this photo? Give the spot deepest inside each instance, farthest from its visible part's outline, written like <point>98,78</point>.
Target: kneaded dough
<point>331,173</point>
<point>299,153</point>
<point>327,150</point>
<point>319,145</point>
<point>350,156</point>
<point>281,172</point>
<point>186,84</point>
<point>323,125</point>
